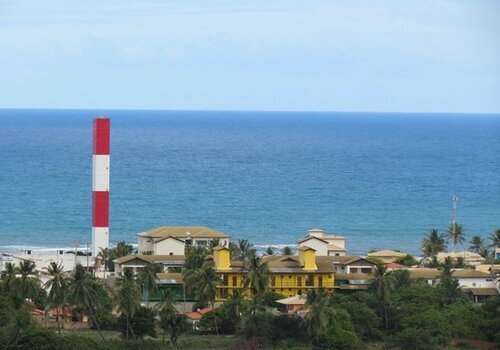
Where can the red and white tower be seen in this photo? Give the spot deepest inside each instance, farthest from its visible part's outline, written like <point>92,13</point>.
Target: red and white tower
<point>100,185</point>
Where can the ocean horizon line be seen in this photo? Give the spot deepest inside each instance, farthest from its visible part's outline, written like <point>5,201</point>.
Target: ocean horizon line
<point>277,111</point>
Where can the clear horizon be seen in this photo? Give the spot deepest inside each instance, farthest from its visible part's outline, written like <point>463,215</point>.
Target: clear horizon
<point>388,57</point>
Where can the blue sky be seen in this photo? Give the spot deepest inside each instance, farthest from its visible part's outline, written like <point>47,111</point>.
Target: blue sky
<point>396,56</point>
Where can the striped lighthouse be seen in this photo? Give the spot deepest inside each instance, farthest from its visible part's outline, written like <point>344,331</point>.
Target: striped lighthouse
<point>100,185</point>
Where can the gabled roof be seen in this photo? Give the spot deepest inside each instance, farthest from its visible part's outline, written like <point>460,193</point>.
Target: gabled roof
<point>470,273</point>
<point>184,232</point>
<point>291,264</point>
<point>304,248</point>
<point>196,315</point>
<point>349,259</point>
<point>219,247</point>
<point>307,238</point>
<point>295,300</point>
<point>149,258</point>
<point>425,273</point>
<point>334,247</point>
<point>389,253</point>
<point>169,237</point>
<point>396,266</point>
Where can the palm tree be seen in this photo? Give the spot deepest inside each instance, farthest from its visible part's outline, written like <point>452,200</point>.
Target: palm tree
<point>58,288</point>
<point>433,243</point>
<point>28,282</point>
<point>286,250</point>
<point>106,256</point>
<point>128,297</point>
<point>8,275</point>
<point>257,275</point>
<point>317,316</point>
<point>167,301</point>
<point>495,239</point>
<point>456,233</point>
<point>401,279</point>
<point>269,251</point>
<point>147,278</point>
<point>242,250</point>
<point>476,244</point>
<point>383,280</point>
<point>203,283</point>
<point>82,293</point>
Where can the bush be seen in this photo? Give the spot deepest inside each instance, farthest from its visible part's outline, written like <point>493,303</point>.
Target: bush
<point>338,338</point>
<point>407,260</point>
<point>142,324</point>
<point>415,339</point>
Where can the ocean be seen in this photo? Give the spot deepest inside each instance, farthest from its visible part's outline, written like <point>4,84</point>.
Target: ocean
<point>380,180</point>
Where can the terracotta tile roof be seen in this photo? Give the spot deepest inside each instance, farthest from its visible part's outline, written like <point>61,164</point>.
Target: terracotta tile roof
<point>182,232</point>
<point>196,315</point>
<point>396,266</point>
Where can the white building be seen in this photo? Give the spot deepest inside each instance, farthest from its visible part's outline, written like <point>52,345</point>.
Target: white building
<point>325,245</point>
<point>172,240</point>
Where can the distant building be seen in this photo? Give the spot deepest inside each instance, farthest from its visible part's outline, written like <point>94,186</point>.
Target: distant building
<point>289,275</point>
<point>172,240</point>
<point>387,256</point>
<point>470,258</point>
<point>467,278</point>
<point>324,245</point>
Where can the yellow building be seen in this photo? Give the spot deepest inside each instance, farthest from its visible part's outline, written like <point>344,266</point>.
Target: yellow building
<point>290,275</point>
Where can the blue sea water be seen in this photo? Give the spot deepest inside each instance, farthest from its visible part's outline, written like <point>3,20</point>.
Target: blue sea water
<point>382,180</point>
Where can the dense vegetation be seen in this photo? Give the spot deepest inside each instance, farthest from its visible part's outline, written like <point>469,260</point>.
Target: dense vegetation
<point>396,312</point>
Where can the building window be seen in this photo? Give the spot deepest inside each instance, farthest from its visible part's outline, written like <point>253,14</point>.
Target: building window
<point>171,253</point>
<point>320,281</point>
<point>299,281</point>
<point>235,281</point>
<point>273,281</point>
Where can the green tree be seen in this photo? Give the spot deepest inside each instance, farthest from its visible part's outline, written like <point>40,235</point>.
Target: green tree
<point>8,275</point>
<point>317,317</point>
<point>407,260</point>
<point>495,239</point>
<point>401,279</point>
<point>173,324</point>
<point>147,278</point>
<point>476,244</point>
<point>287,250</point>
<point>128,298</point>
<point>269,251</point>
<point>28,282</point>
<point>203,283</point>
<point>82,292</point>
<point>456,233</point>
<point>383,281</point>
<point>433,243</point>
<point>242,250</point>
<point>57,286</point>
<point>257,275</point>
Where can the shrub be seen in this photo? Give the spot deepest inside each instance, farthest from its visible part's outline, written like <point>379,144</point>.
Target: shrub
<point>338,338</point>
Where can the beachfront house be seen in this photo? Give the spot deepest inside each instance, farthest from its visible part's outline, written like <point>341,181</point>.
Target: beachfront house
<point>290,275</point>
<point>324,245</point>
<point>469,258</point>
<point>480,284</point>
<point>386,256</point>
<point>172,240</point>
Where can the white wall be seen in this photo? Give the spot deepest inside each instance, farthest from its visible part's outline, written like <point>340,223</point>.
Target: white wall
<point>169,246</point>
<point>476,282</point>
<point>321,249</point>
<point>145,244</point>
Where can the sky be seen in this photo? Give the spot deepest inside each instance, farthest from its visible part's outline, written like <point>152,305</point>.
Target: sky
<point>385,56</point>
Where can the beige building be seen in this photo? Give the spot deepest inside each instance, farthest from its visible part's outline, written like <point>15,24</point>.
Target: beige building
<point>470,258</point>
<point>387,256</point>
<point>324,245</point>
<point>172,240</point>
<point>170,263</point>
